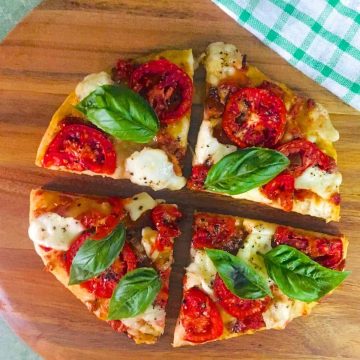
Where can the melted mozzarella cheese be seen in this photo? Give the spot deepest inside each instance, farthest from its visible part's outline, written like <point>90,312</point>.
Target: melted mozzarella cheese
<point>282,310</point>
<point>139,204</point>
<point>54,231</point>
<point>91,82</point>
<point>320,126</point>
<point>207,146</point>
<point>221,61</point>
<point>148,238</point>
<point>151,167</point>
<point>319,208</point>
<point>201,272</point>
<point>151,322</point>
<point>319,181</point>
<point>258,241</point>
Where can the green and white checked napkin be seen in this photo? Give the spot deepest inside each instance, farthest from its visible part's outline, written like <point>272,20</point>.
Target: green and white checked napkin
<point>321,38</point>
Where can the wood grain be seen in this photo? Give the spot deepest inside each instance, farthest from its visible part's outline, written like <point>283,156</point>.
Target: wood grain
<point>40,62</point>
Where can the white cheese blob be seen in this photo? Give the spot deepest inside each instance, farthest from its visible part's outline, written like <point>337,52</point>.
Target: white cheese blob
<point>152,321</point>
<point>208,147</point>
<point>151,167</point>
<point>283,309</point>
<point>258,241</point>
<point>319,208</point>
<point>201,272</point>
<point>54,231</point>
<point>221,61</point>
<point>91,82</point>
<point>319,181</point>
<point>139,204</point>
<point>148,238</point>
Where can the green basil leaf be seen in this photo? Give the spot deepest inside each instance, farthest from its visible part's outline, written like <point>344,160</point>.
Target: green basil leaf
<point>244,170</point>
<point>239,277</point>
<point>95,256</point>
<point>298,276</point>
<point>134,293</point>
<point>120,112</point>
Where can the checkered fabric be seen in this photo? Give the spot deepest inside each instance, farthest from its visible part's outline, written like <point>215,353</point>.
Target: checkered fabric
<point>321,38</point>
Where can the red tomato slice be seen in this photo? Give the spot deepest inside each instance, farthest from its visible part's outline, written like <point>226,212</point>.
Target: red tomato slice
<point>167,88</point>
<point>198,177</point>
<point>80,147</point>
<point>281,188</point>
<point>69,255</point>
<point>254,117</point>
<point>303,154</point>
<point>103,285</point>
<point>215,231</point>
<point>102,224</point>
<point>327,252</point>
<point>200,317</point>
<point>165,218</point>
<point>238,307</point>
<point>122,71</point>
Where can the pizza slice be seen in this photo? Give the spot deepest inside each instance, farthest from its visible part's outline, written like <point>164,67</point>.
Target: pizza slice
<point>129,123</point>
<point>113,254</point>
<point>260,141</point>
<point>248,275</point>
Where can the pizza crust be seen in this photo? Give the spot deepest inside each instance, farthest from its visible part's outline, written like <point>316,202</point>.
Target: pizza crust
<point>124,149</point>
<point>282,310</point>
<point>39,201</point>
<point>223,61</point>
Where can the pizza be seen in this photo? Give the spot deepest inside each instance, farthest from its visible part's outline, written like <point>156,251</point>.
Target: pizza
<point>248,275</point>
<point>260,141</point>
<point>130,123</point>
<point>113,254</point>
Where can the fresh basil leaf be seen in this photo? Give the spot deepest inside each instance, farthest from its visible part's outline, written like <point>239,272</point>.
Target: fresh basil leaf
<point>300,277</point>
<point>134,293</point>
<point>95,256</point>
<point>244,170</point>
<point>239,277</point>
<point>120,112</point>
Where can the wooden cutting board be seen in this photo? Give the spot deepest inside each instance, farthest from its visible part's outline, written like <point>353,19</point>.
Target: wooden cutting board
<point>40,62</point>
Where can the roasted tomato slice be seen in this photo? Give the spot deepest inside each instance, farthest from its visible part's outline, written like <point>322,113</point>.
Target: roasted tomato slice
<point>216,231</point>
<point>303,154</point>
<point>327,252</point>
<point>167,88</point>
<point>254,117</point>
<point>198,177</point>
<point>69,255</point>
<point>103,285</point>
<point>235,306</point>
<point>200,317</point>
<point>121,73</point>
<point>281,188</point>
<point>79,147</point>
<point>101,224</point>
<point>217,97</point>
<point>165,218</point>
